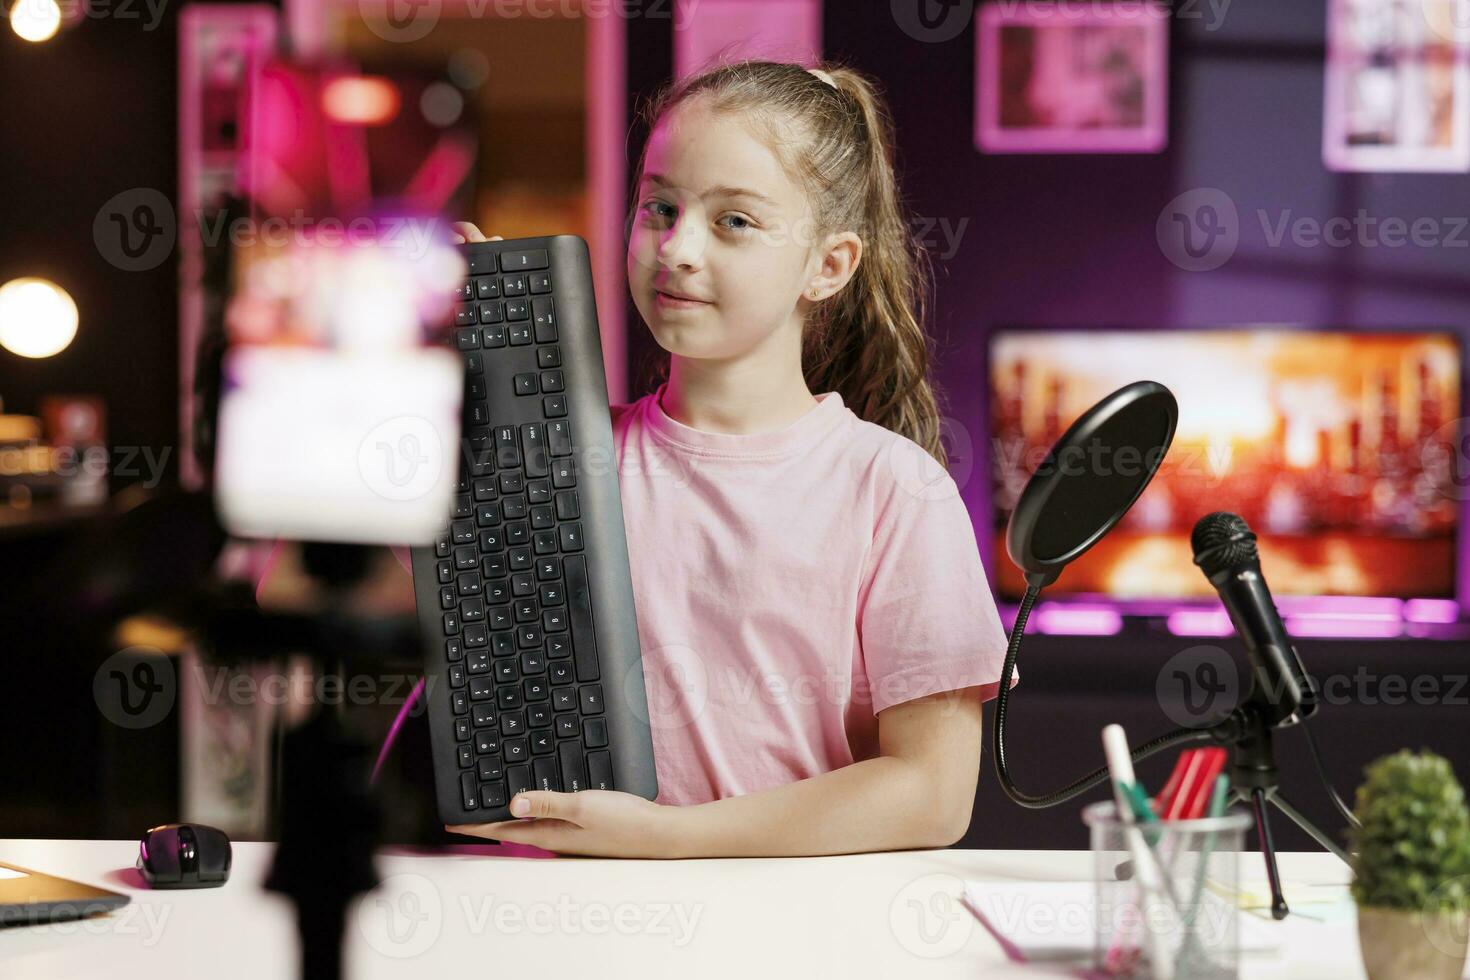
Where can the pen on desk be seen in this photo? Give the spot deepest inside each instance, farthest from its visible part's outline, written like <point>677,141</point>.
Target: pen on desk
<point>1120,767</point>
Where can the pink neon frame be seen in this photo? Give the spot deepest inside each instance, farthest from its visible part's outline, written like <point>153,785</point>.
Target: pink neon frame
<point>992,137</point>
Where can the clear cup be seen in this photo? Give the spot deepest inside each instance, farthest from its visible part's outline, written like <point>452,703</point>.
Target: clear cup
<point>1194,923</point>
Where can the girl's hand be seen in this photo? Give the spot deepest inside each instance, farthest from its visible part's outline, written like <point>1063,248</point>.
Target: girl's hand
<point>464,231</point>
<point>599,823</point>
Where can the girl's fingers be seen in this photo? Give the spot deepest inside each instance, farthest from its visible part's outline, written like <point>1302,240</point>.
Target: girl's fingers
<point>467,232</point>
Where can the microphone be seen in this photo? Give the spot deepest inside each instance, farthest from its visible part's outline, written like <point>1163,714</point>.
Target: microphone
<point>1225,550</point>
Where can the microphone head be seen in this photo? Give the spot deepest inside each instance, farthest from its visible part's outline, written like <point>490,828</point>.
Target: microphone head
<point>1222,540</point>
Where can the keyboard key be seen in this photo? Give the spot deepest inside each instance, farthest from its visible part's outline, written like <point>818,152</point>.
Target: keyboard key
<point>464,316</point>
<point>469,793</point>
<point>554,406</point>
<point>472,610</point>
<point>486,743</point>
<point>492,314</point>
<point>518,310</point>
<point>513,723</point>
<point>526,384</point>
<point>491,767</point>
<point>544,542</point>
<point>548,569</point>
<point>554,620</point>
<point>494,335</point>
<point>571,536</point>
<point>485,490</point>
<point>564,699</point>
<point>564,473</point>
<point>461,729</point>
<point>508,697</point>
<point>599,770</point>
<point>468,584</point>
<point>484,715</point>
<point>559,437</point>
<point>478,662</point>
<point>543,318</point>
<point>542,517</point>
<point>467,338</point>
<point>453,650</point>
<point>540,282</point>
<point>516,750</point>
<point>594,732</point>
<point>536,690</point>
<point>457,675</point>
<point>482,688</point>
<point>517,779</point>
<point>487,287</point>
<point>513,286</point>
<point>543,774</point>
<point>552,381</point>
<point>542,743</point>
<point>573,773</point>
<point>446,597</point>
<point>566,726</point>
<point>591,697</point>
<point>475,635</point>
<point>523,261</point>
<point>538,716</point>
<point>460,702</point>
<point>482,261</point>
<point>520,559</point>
<point>466,757</point>
<point>567,507</point>
<point>493,794</point>
<point>451,622</point>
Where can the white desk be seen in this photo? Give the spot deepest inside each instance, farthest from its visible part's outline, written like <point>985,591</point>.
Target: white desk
<point>491,911</point>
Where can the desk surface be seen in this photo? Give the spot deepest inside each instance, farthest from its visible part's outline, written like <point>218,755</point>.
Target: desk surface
<point>503,910</point>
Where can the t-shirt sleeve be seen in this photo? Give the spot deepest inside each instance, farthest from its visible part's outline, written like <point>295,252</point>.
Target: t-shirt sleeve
<point>927,621</point>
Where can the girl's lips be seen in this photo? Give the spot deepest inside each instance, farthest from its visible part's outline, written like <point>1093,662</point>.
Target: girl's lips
<point>666,301</point>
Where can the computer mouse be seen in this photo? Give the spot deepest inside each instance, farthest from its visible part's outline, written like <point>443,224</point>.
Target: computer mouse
<point>184,855</point>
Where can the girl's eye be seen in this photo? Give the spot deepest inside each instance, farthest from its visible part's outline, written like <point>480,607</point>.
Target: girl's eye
<point>742,225</point>
<point>659,209</point>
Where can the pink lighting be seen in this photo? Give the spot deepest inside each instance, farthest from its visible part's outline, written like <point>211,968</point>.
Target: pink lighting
<point>1361,628</point>
<point>1069,620</point>
<point>710,31</point>
<point>1200,622</point>
<point>1432,611</point>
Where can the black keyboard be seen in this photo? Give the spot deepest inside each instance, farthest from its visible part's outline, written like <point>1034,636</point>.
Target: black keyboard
<point>534,671</point>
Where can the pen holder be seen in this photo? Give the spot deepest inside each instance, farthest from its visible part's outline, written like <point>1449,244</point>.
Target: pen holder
<point>1185,922</point>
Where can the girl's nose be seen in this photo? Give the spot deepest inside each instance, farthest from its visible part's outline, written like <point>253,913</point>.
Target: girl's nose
<point>683,246</point>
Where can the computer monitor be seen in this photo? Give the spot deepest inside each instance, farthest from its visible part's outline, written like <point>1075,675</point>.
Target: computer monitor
<point>1340,448</point>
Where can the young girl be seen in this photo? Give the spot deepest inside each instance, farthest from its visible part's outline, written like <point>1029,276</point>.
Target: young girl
<point>817,630</point>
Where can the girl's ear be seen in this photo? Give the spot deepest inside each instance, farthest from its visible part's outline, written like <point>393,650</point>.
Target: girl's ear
<point>840,255</point>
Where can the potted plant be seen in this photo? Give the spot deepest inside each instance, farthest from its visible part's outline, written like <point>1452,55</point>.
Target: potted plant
<point>1411,870</point>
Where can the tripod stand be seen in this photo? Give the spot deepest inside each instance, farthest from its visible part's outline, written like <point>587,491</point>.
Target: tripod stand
<point>1254,780</point>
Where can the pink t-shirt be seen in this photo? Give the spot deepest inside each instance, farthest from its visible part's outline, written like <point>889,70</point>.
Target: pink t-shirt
<point>789,586</point>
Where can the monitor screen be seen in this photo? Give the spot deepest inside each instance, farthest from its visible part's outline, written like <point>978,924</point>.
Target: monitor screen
<point>1340,449</point>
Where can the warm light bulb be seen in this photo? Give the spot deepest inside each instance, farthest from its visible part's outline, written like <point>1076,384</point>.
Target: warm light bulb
<point>35,20</point>
<point>37,317</point>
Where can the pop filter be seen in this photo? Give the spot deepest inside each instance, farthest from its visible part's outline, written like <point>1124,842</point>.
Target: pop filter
<point>1083,487</point>
<point>1090,478</point>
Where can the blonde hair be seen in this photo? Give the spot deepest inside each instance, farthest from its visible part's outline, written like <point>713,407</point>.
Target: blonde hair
<point>867,342</point>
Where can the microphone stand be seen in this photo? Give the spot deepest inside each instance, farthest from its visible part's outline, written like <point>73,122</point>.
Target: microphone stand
<point>1246,730</point>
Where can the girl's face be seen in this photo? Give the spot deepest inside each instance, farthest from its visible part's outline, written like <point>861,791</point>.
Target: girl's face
<point>719,223</point>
